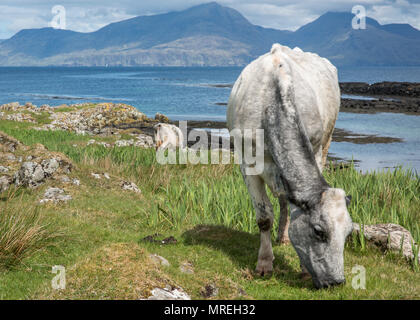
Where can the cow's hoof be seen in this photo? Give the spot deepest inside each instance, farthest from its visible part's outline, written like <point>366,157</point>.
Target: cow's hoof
<point>264,268</point>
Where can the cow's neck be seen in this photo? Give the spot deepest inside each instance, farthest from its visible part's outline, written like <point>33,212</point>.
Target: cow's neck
<point>292,151</point>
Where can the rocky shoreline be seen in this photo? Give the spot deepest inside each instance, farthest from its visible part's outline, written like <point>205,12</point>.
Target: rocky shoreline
<point>406,106</point>
<point>385,88</point>
<point>120,120</point>
<point>109,119</point>
<point>396,97</point>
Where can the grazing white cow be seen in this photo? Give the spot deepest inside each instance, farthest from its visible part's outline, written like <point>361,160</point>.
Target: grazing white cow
<point>295,97</point>
<point>168,136</point>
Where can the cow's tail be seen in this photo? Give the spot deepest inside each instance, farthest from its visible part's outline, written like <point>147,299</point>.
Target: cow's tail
<point>287,140</point>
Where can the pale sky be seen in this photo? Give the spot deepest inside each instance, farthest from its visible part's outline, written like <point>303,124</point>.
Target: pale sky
<point>90,15</point>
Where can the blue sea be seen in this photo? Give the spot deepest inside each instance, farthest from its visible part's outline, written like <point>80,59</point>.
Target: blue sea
<point>195,94</point>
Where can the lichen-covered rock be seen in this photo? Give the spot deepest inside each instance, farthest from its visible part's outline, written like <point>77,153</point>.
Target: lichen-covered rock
<point>49,166</point>
<point>169,294</point>
<point>31,174</point>
<point>124,143</point>
<point>16,112</point>
<point>104,144</point>
<point>389,236</point>
<point>45,108</point>
<point>8,143</point>
<point>19,117</point>
<point>144,141</point>
<point>96,175</point>
<point>55,195</point>
<point>30,166</point>
<point>28,107</point>
<point>130,186</point>
<point>10,157</point>
<point>159,259</point>
<point>210,291</point>
<point>161,118</point>
<point>12,106</point>
<point>5,182</point>
<point>65,179</point>
<point>94,119</point>
<point>101,143</point>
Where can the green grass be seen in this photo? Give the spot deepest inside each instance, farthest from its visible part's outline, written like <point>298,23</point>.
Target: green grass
<point>382,196</point>
<point>208,210</point>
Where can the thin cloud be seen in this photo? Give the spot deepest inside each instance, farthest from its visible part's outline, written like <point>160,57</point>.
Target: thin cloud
<point>90,15</point>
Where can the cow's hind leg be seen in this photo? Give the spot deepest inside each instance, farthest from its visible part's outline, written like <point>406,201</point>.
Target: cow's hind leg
<point>283,230</point>
<point>265,217</point>
<point>271,176</point>
<point>325,151</point>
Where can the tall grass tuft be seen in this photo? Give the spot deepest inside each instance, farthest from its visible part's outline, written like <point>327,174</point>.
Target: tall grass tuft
<point>22,232</point>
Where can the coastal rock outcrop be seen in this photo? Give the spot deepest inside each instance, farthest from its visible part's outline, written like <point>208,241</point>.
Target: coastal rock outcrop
<point>95,119</point>
<point>161,118</point>
<point>29,166</point>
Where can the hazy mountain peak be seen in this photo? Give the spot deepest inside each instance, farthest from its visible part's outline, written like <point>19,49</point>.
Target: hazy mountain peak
<point>332,20</point>
<point>402,29</point>
<point>226,36</point>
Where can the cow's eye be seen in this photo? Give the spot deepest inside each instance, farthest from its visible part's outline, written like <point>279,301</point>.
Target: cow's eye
<point>320,233</point>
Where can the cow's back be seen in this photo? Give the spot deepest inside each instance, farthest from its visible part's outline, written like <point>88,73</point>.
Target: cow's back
<point>314,79</point>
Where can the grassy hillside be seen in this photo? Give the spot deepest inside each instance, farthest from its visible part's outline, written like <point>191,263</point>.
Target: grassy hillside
<point>98,236</point>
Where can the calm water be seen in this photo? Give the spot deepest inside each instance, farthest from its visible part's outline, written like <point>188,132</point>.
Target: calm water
<point>189,93</point>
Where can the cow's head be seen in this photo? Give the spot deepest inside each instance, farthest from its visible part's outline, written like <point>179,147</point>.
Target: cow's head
<point>318,236</point>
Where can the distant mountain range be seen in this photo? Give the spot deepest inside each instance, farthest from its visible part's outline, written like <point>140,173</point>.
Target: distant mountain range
<point>211,35</point>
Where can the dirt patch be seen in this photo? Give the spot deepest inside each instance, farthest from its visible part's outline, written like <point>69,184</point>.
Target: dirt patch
<point>152,239</point>
<point>116,271</point>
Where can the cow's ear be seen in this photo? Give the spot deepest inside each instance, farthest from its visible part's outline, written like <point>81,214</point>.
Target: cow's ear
<point>348,200</point>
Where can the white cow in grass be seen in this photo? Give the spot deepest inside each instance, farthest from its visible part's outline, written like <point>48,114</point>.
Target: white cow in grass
<point>294,97</point>
<point>168,136</point>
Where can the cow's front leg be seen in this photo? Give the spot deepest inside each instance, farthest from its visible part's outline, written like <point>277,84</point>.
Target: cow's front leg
<point>264,215</point>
